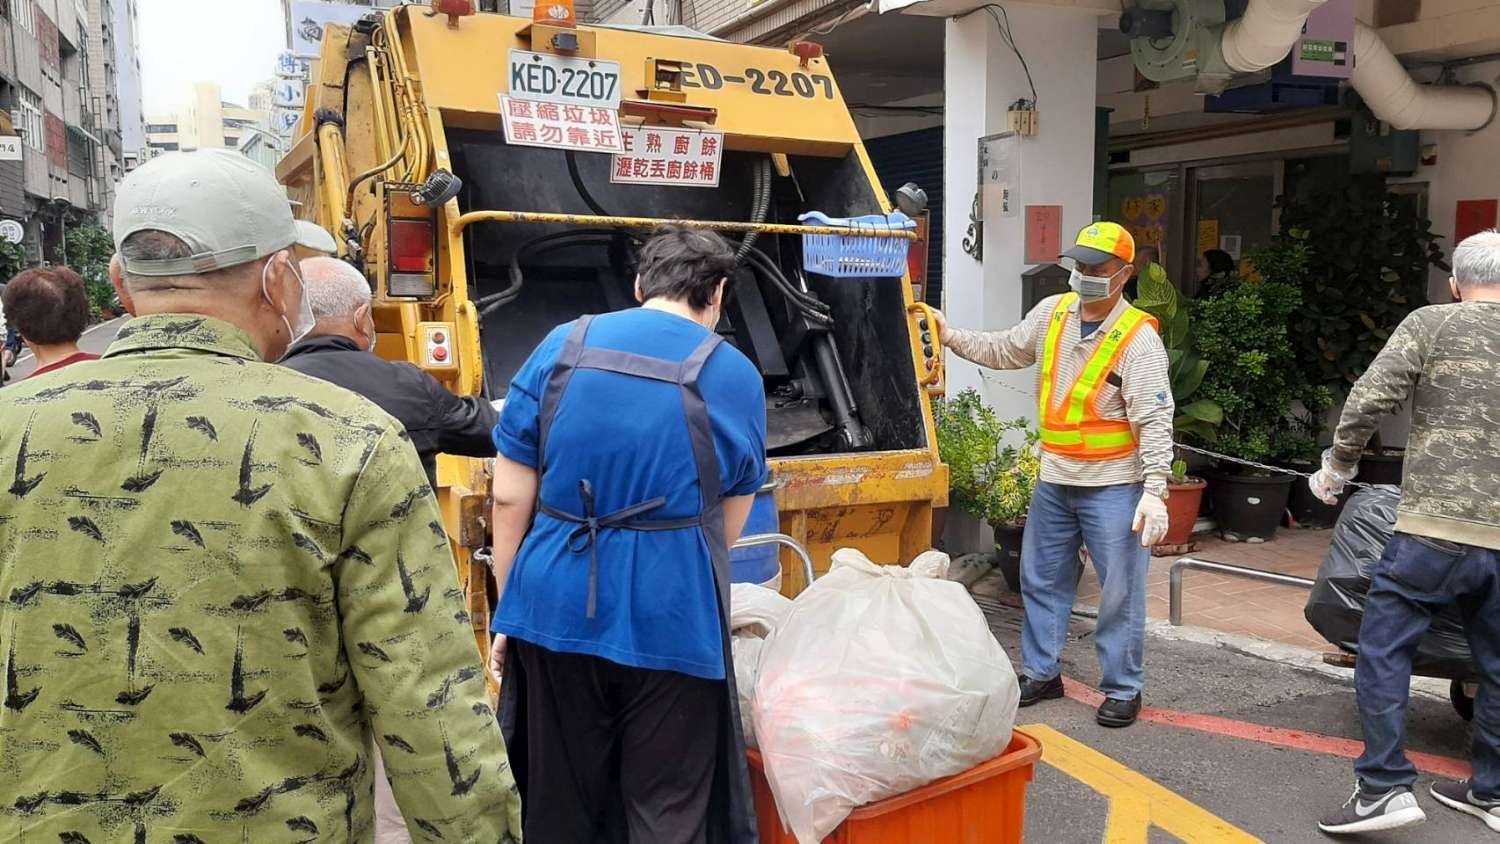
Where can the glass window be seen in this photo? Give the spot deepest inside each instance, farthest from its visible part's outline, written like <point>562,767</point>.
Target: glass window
<point>28,120</point>
<point>1149,204</point>
<point>1233,209</point>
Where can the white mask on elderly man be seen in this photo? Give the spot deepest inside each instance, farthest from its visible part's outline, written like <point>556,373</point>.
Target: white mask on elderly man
<point>1091,288</point>
<point>305,318</point>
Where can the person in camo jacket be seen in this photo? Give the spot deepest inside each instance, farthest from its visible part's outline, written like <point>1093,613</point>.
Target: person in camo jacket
<point>1445,361</point>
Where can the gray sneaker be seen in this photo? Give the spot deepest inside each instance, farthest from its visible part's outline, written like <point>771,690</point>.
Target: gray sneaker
<point>1394,809</point>
<point>1456,795</point>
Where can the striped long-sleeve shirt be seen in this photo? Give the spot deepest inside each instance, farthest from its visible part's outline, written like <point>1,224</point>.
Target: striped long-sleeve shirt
<point>1139,389</point>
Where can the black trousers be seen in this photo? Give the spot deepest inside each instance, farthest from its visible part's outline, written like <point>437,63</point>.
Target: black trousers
<point>613,753</point>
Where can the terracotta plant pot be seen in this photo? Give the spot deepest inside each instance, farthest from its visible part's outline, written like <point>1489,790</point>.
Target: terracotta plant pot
<point>1183,503</point>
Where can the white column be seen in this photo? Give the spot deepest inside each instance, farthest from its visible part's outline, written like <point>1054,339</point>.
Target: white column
<point>1056,167</point>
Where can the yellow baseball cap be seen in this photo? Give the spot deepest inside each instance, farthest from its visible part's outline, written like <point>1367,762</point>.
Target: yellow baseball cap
<point>1098,242</point>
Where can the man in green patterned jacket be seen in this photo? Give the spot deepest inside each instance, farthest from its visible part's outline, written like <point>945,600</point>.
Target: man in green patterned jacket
<point>220,579</point>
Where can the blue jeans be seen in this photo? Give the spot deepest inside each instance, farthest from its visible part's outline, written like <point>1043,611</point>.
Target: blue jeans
<point>1063,518</point>
<point>1415,577</point>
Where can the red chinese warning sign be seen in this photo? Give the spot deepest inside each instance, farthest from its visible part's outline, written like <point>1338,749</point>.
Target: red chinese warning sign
<point>655,156</point>
<point>536,124</point>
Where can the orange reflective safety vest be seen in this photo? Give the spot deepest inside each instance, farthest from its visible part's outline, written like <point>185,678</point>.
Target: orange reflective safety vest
<point>1073,428</point>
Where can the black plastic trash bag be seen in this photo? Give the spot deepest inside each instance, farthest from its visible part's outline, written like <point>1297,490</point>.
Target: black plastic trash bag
<point>1337,603</point>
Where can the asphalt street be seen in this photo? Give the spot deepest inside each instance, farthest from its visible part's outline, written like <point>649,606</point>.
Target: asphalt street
<point>1274,793</point>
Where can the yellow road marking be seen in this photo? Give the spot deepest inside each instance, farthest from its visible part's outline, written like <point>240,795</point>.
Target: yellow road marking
<point>1136,802</point>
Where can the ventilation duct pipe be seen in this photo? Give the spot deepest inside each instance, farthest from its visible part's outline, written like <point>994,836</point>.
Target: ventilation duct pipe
<point>1397,99</point>
<point>1265,33</point>
<point>1268,29</point>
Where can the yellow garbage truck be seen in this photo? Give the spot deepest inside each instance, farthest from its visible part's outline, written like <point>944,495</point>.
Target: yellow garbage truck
<point>494,176</point>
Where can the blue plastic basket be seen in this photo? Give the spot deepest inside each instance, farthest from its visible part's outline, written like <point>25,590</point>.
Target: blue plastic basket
<point>850,256</point>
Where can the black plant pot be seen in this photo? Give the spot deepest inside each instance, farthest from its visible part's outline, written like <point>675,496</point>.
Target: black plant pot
<point>1306,509</point>
<point>1382,468</point>
<point>1008,553</point>
<point>1249,506</point>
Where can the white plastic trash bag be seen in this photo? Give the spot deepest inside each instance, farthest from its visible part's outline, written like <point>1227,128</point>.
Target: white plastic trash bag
<point>880,680</point>
<point>754,614</point>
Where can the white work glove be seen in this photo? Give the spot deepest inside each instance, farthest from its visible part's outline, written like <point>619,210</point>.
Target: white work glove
<point>1328,482</point>
<point>1150,519</point>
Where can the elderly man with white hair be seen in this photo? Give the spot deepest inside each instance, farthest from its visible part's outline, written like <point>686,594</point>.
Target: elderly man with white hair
<point>338,350</point>
<point>1445,361</point>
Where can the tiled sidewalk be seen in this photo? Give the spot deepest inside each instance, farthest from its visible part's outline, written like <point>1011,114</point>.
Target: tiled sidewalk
<point>1235,604</point>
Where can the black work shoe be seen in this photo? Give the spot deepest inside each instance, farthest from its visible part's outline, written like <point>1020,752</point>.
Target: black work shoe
<point>1118,713</point>
<point>1456,795</point>
<point>1038,690</point>
<point>1394,809</point>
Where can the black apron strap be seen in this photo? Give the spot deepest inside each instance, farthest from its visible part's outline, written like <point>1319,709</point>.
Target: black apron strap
<point>626,363</point>
<point>557,384</point>
<point>732,812</point>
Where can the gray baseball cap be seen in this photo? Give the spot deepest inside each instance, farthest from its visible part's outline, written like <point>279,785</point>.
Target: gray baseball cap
<point>227,208</point>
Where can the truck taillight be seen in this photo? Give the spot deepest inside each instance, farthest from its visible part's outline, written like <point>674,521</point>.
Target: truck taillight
<point>411,259</point>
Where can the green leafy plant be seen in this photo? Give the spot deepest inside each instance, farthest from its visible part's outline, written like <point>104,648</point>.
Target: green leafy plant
<point>1179,472</point>
<point>1360,256</point>
<point>12,259</point>
<point>1013,478</point>
<point>1197,416</point>
<point>987,479</point>
<point>968,435</point>
<point>1256,378</point>
<point>88,251</point>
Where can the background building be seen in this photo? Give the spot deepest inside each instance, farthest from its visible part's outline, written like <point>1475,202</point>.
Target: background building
<point>205,121</point>
<point>128,79</point>
<point>59,83</point>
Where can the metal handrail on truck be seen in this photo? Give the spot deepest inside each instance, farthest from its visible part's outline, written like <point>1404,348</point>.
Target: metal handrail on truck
<point>785,541</point>
<point>1174,576</point>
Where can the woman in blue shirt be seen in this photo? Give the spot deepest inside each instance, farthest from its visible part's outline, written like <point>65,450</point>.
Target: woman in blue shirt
<point>637,439</point>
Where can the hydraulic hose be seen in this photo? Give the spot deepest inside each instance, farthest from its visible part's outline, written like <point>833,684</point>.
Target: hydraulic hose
<point>760,205</point>
<point>546,243</point>
<point>578,185</point>
<point>802,302</point>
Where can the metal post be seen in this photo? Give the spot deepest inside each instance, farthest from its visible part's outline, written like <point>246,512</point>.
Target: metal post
<point>1174,580</point>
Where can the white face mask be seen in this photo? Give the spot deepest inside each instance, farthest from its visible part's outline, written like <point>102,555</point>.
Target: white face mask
<point>305,318</point>
<point>1091,288</point>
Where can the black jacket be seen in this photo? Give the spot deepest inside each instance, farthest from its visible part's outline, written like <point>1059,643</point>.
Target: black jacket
<point>436,420</point>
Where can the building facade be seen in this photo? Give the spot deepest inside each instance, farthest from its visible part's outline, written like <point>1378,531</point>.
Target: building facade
<point>59,85</point>
<point>131,96</point>
<point>205,121</point>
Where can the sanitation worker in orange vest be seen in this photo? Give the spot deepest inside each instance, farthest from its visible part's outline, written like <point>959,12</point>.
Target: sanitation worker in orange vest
<point>1105,412</point>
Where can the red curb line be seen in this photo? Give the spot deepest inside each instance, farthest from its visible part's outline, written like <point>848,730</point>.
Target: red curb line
<point>1441,766</point>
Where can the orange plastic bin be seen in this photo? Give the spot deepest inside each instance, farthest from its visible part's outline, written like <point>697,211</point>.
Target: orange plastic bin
<point>983,805</point>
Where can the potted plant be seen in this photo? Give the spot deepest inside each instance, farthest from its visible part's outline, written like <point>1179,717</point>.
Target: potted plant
<point>1183,504</point>
<point>1007,498</point>
<point>1197,417</point>
<point>1356,293</point>
<point>1257,382</point>
<point>987,479</point>
<point>968,438</point>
